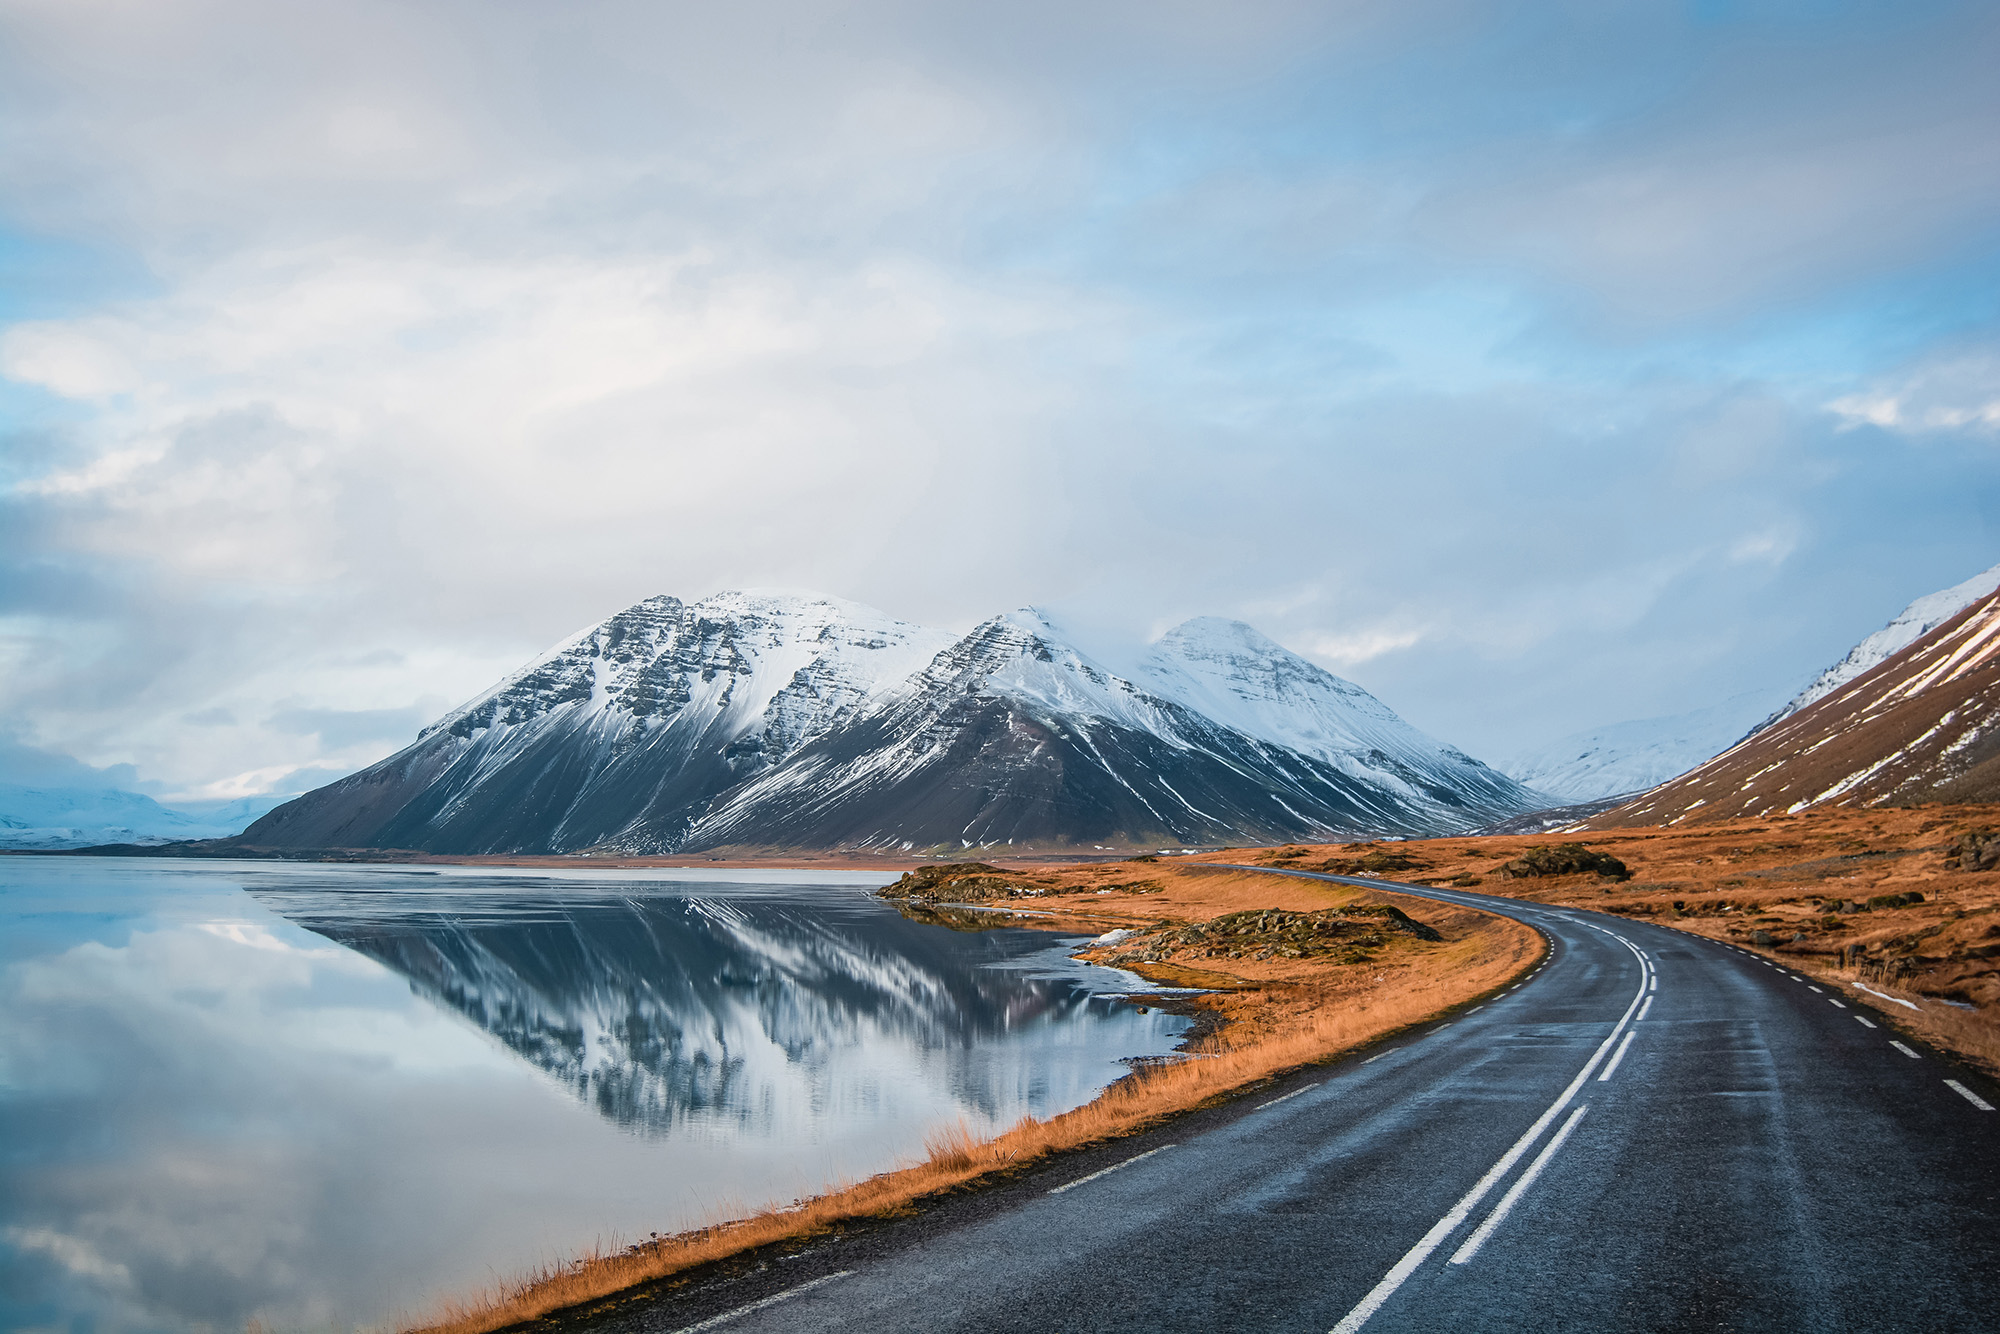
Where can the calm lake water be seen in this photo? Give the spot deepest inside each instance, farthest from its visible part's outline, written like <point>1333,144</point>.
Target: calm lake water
<point>316,1096</point>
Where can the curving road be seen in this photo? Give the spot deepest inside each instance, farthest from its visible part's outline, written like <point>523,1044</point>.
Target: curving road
<point>1651,1132</point>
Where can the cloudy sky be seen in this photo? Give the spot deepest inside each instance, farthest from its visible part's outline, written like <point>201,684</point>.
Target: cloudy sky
<point>1537,366</point>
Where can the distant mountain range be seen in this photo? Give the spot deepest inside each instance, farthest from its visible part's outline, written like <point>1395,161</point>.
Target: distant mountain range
<point>1622,758</point>
<point>755,721</point>
<point>81,817</point>
<point>770,721</point>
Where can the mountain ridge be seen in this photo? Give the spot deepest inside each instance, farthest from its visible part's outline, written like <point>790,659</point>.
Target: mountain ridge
<point>768,720</point>
<point>1921,725</point>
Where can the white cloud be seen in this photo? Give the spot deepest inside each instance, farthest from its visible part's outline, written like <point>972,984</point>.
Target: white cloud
<point>456,327</point>
<point>1957,390</point>
<point>1350,649</point>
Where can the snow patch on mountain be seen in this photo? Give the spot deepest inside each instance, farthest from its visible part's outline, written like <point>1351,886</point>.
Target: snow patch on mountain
<point>774,668</point>
<point>1915,621</point>
<point>1234,674</point>
<point>1227,717</point>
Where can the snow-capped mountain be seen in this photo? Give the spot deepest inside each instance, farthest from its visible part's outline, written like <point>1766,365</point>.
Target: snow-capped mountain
<point>80,817</point>
<point>1915,621</point>
<point>1632,756</point>
<point>622,735</point>
<point>792,722</point>
<point>1922,725</point>
<point>1232,674</point>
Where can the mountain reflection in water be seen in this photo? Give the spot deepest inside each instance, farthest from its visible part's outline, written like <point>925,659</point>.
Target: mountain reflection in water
<point>310,1096</point>
<point>668,1011</point>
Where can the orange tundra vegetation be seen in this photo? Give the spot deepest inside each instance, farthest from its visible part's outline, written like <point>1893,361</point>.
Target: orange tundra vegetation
<point>1903,901</point>
<point>1302,971</point>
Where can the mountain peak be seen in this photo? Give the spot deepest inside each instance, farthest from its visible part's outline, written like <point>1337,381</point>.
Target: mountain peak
<point>787,719</point>
<point>1912,623</point>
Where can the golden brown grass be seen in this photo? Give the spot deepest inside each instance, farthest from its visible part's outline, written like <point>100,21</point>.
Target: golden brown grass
<point>1781,886</point>
<point>1283,1014</point>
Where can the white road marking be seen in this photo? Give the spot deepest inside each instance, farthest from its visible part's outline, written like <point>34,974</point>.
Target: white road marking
<point>1863,1022</point>
<point>1831,1001</point>
<point>1400,1272</point>
<point>1815,990</point>
<point>1287,1097</point>
<point>1107,1171</point>
<point>1376,1057</point>
<point>1507,1201</point>
<point>1967,1094</point>
<point>1647,1006</point>
<point>716,1321</point>
<point>1611,1068</point>
<point>1905,1050</point>
<point>1654,985</point>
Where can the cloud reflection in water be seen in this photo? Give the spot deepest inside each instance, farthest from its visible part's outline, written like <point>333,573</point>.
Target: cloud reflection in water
<point>217,1111</point>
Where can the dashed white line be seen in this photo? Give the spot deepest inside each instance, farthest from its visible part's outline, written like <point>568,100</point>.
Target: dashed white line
<point>1863,1022</point>
<point>1107,1171</point>
<point>1611,1067</point>
<point>1507,1201</point>
<point>1905,1050</point>
<point>1643,1008</point>
<point>1815,990</point>
<point>1286,1097</point>
<point>1967,1094</point>
<point>1831,1001</point>
<point>716,1321</point>
<point>1376,1057</point>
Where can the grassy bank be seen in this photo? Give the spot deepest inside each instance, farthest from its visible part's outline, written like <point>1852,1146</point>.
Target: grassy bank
<point>1305,971</point>
<point>1879,897</point>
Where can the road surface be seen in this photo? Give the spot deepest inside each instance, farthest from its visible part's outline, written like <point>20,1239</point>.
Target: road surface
<point>1651,1132</point>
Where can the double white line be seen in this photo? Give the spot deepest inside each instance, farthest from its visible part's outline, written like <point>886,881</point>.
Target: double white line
<point>1444,1227</point>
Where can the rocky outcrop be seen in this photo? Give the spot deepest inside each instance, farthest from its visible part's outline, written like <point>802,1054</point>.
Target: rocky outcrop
<point>1564,859</point>
<point>1350,933</point>
<point>1978,850</point>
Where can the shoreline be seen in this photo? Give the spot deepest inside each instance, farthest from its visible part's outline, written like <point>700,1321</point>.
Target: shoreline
<point>1278,1015</point>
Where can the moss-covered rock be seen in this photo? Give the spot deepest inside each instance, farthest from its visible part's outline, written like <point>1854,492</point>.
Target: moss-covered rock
<point>1272,933</point>
<point>963,882</point>
<point>1564,859</point>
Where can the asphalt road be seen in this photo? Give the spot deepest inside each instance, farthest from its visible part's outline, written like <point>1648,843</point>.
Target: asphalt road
<point>1653,1132</point>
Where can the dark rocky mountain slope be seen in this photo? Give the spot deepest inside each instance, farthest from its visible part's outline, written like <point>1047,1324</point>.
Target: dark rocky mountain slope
<point>757,721</point>
<point>1923,725</point>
